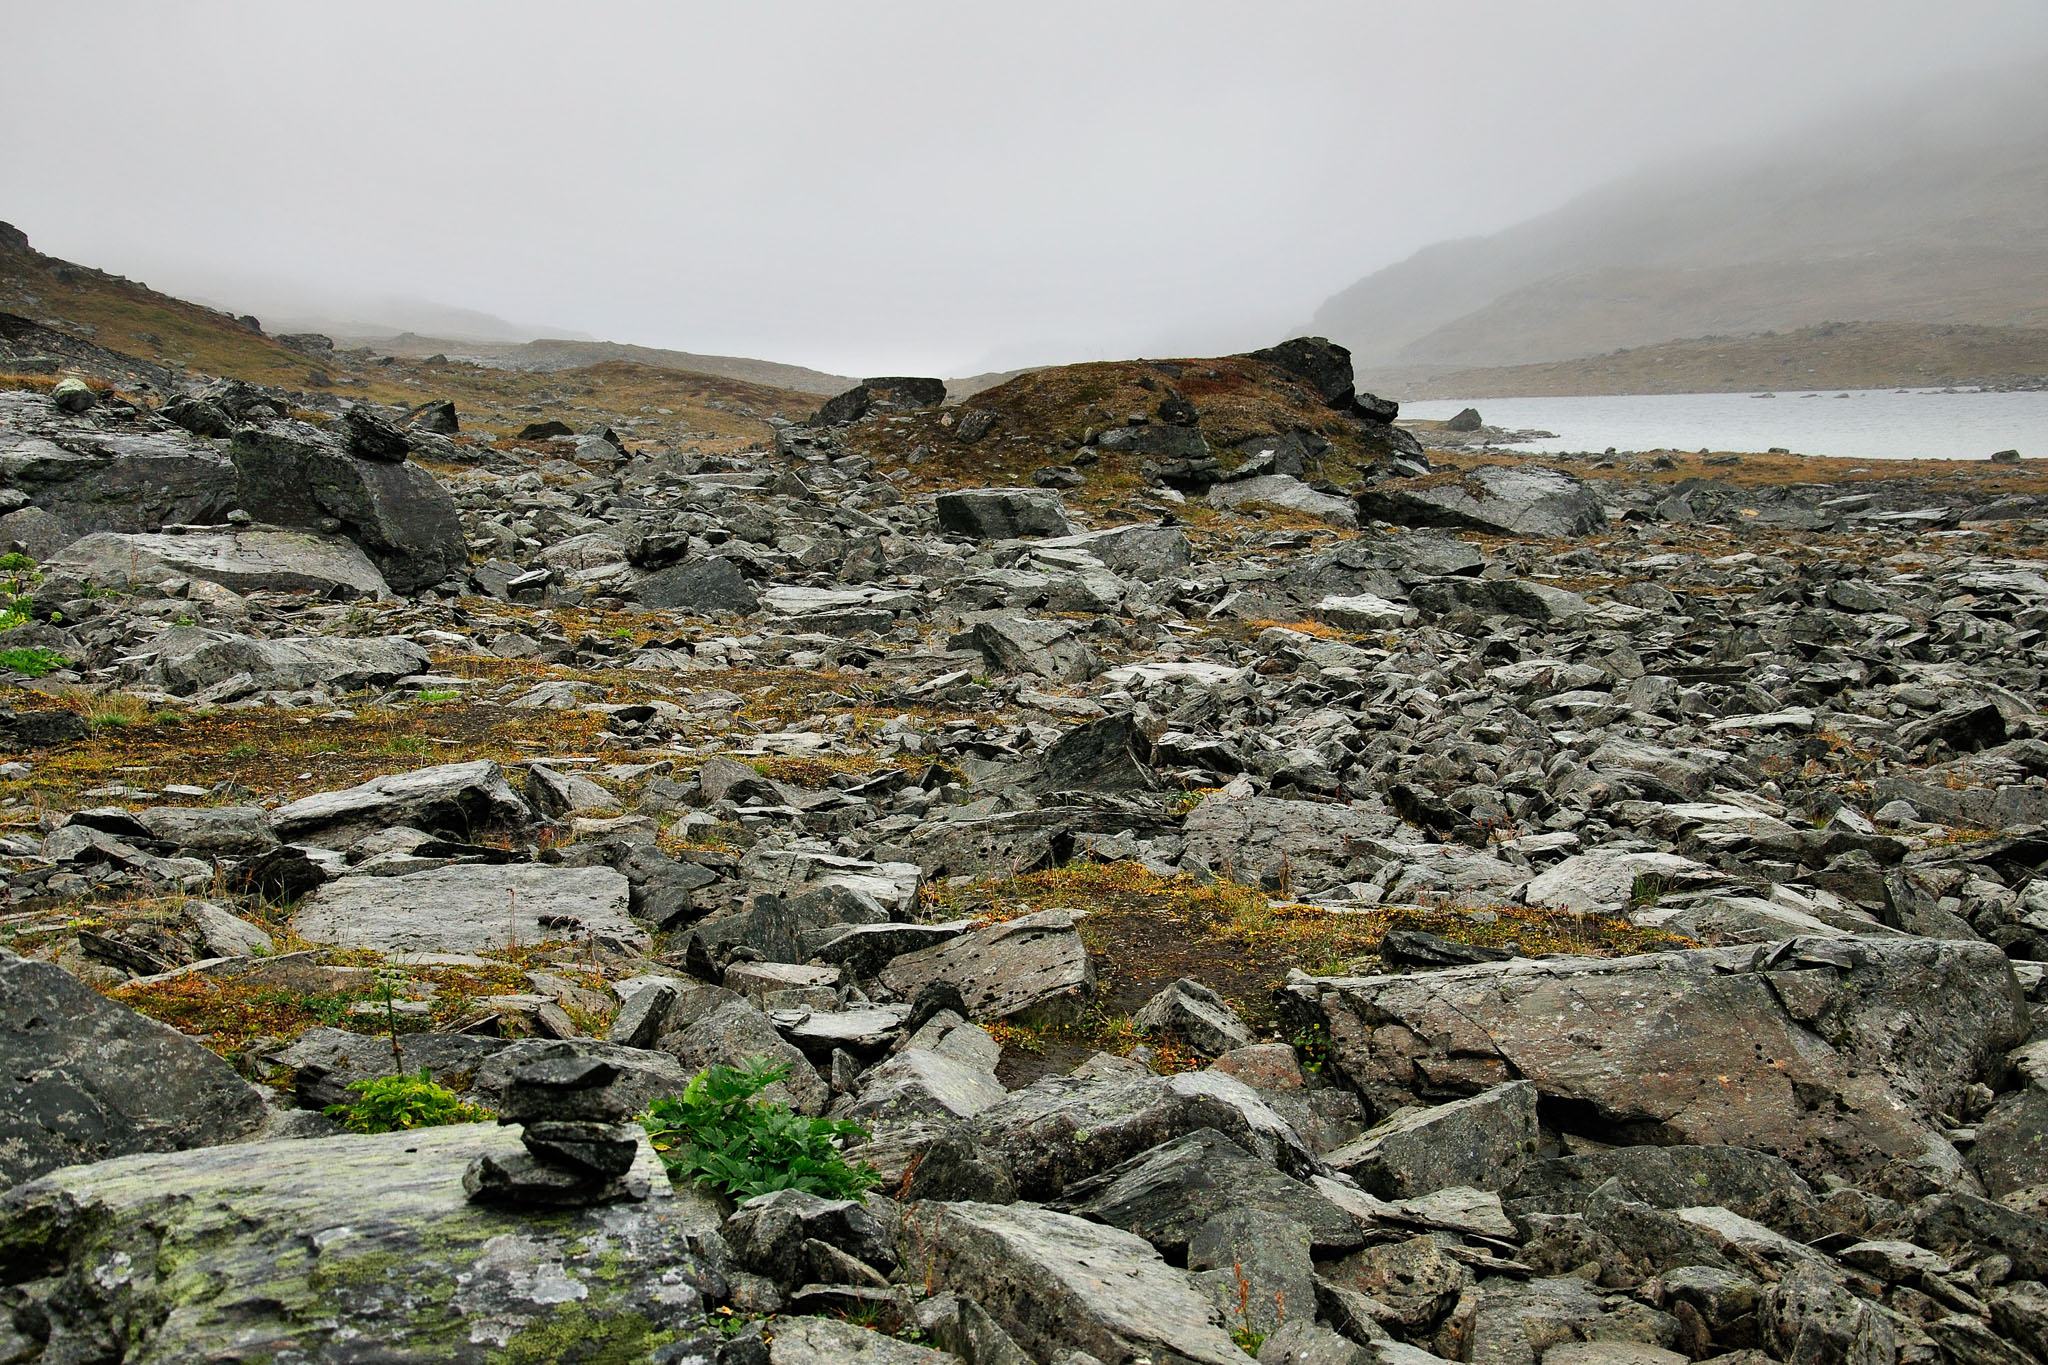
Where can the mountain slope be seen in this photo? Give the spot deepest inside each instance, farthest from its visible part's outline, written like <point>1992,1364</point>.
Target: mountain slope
<point>1928,211</point>
<point>553,353</point>
<point>1838,355</point>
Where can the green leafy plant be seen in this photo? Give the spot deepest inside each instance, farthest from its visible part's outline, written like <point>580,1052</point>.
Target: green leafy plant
<point>18,574</point>
<point>34,662</point>
<point>434,694</point>
<point>719,1132</point>
<point>392,1103</point>
<point>1312,1047</point>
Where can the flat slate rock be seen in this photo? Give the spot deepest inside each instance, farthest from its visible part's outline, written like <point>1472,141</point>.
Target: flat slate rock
<point>456,800</point>
<point>470,908</point>
<point>244,561</point>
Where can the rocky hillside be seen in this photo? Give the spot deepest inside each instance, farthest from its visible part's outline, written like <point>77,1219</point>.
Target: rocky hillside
<point>58,317</point>
<point>1923,211</point>
<point>1245,884</point>
<point>552,354</point>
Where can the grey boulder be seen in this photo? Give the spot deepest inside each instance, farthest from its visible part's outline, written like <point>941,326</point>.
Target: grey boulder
<point>1165,1195</point>
<point>1064,1129</point>
<point>243,561</point>
<point>1055,1283</point>
<point>1003,513</point>
<point>456,800</point>
<point>917,1083</point>
<point>1191,1013</point>
<point>87,1078</point>
<point>1506,500</point>
<point>467,909</point>
<point>319,1249</point>
<point>699,587</point>
<point>1049,649</point>
<point>193,660</point>
<point>213,831</point>
<point>291,474</point>
<point>1723,1045</point>
<point>733,1034</point>
<point>1480,1141</point>
<point>1033,968</point>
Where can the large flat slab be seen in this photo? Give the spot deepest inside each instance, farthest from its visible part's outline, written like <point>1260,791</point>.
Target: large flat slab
<point>467,909</point>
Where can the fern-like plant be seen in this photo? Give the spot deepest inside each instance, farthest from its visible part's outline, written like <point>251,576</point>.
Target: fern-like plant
<point>389,1104</point>
<point>720,1132</point>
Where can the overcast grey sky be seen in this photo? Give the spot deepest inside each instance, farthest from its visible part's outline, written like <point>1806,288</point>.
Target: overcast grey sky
<point>889,187</point>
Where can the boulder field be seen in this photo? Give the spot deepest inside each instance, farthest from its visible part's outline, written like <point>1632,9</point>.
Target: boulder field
<point>1262,888</point>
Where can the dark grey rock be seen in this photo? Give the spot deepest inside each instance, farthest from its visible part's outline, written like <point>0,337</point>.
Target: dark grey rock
<point>1480,1141</point>
<point>1168,1194</point>
<point>1191,1013</point>
<point>87,1078</point>
<point>699,587</point>
<point>1107,755</point>
<point>1003,513</point>
<point>896,393</point>
<point>1506,500</point>
<point>294,475</point>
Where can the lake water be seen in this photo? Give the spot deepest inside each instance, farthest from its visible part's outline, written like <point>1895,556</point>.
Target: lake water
<point>1865,424</point>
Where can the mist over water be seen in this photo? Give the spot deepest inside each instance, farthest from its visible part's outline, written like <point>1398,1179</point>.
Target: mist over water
<point>1864,424</point>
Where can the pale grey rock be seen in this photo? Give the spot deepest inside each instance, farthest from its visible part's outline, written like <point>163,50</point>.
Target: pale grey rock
<point>1285,492</point>
<point>467,909</point>
<point>295,1242</point>
<point>192,660</point>
<point>216,831</point>
<point>831,1341</point>
<point>243,561</point>
<point>1511,500</point>
<point>456,800</point>
<point>1033,968</point>
<point>1480,1141</point>
<point>1055,1283</point>
<point>916,1084</point>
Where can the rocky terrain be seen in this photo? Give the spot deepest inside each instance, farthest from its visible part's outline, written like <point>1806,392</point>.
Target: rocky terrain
<point>1259,885</point>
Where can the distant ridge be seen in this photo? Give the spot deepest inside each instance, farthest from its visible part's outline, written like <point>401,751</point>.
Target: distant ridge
<point>1837,355</point>
<point>1927,210</point>
<point>561,354</point>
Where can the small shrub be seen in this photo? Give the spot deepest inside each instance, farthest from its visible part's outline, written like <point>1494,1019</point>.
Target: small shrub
<point>720,1133</point>
<point>434,694</point>
<point>392,1103</point>
<point>33,662</point>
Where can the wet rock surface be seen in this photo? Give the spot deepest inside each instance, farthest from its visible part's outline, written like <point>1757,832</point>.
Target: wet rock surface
<point>1245,880</point>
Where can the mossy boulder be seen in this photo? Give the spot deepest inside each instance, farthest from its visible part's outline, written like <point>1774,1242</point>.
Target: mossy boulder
<point>347,1248</point>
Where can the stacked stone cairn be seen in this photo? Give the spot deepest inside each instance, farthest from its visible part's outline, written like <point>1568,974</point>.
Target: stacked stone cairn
<point>580,1144</point>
